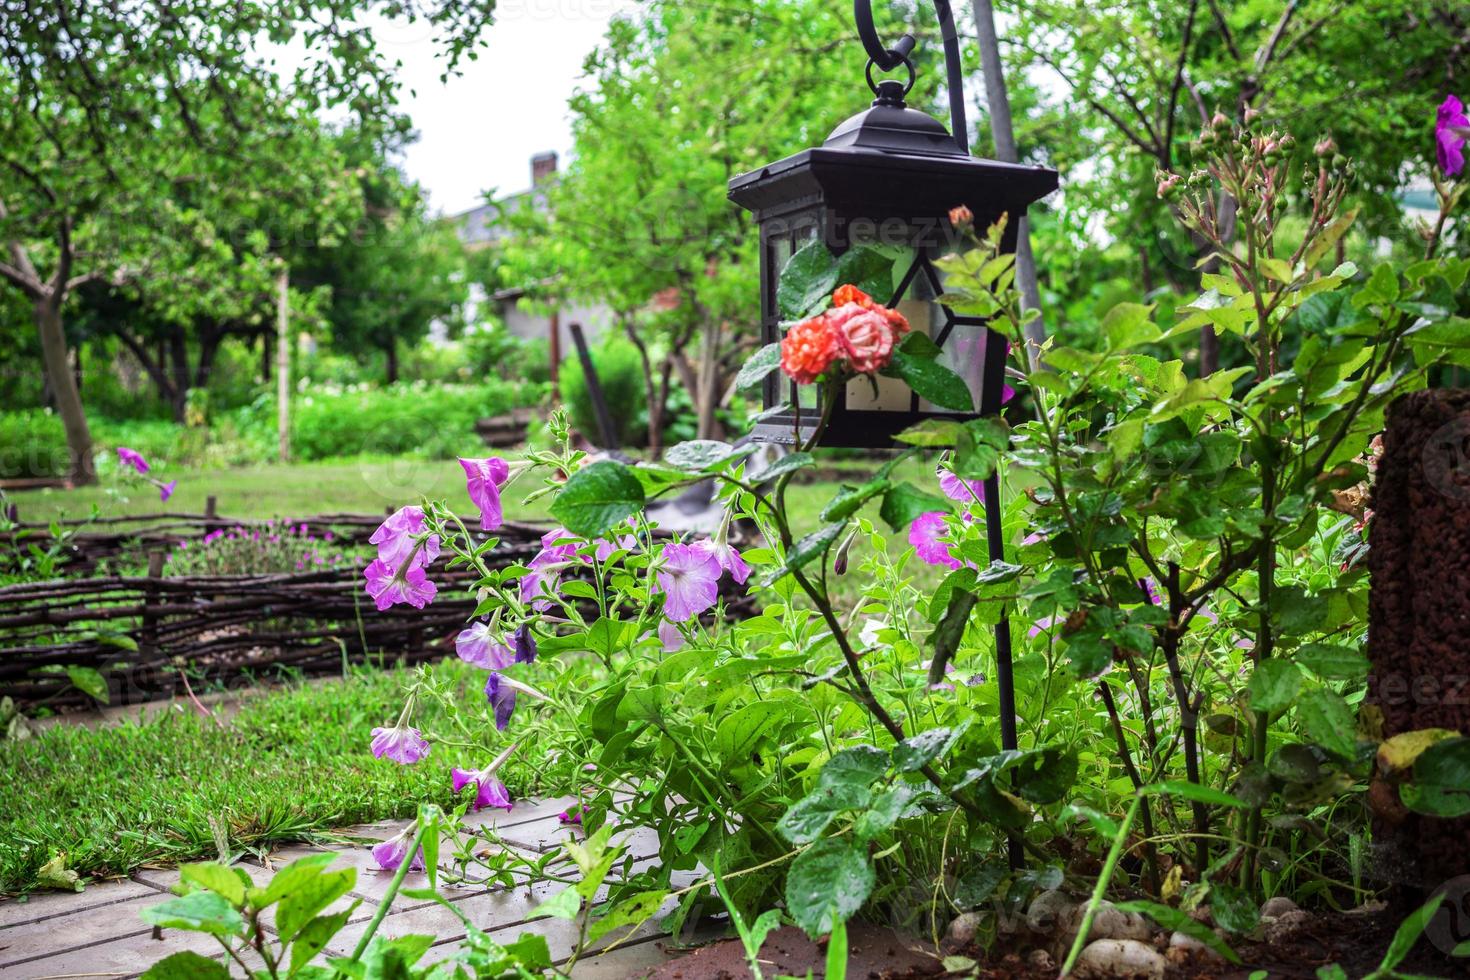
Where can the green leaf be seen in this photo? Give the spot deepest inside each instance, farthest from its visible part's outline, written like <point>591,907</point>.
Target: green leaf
<point>789,463</point>
<point>597,498</point>
<point>1441,785</point>
<point>187,966</point>
<point>1382,287</point>
<point>289,878</point>
<point>89,681</point>
<point>849,500</point>
<point>705,455</point>
<point>1327,720</point>
<point>196,912</point>
<point>869,269</point>
<point>932,380</point>
<point>1233,908</point>
<point>805,551</point>
<point>738,733</point>
<point>1128,325</point>
<point>883,812</point>
<point>1274,685</point>
<point>931,433</point>
<point>978,883</point>
<point>1178,921</point>
<point>913,754</point>
<point>758,365</point>
<point>856,765</point>
<point>312,896</point>
<point>632,911</point>
<point>1408,933</point>
<point>218,878</point>
<point>904,502</point>
<point>810,815</point>
<point>1332,661</point>
<point>830,878</point>
<point>807,281</point>
<point>1194,792</point>
<point>565,904</point>
<point>315,935</point>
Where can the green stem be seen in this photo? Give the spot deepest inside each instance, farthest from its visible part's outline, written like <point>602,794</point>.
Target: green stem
<point>392,893</point>
<point>1115,853</point>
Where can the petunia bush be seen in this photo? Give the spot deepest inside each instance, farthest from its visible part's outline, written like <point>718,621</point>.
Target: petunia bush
<point>1184,585</point>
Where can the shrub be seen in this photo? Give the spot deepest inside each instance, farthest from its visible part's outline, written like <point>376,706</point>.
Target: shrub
<point>436,421</point>
<point>277,547</point>
<point>32,444</point>
<point>620,373</point>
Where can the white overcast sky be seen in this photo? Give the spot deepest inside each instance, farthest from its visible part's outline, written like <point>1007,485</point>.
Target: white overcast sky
<point>478,131</point>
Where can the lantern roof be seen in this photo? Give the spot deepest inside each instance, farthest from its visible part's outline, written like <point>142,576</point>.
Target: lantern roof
<point>891,160</point>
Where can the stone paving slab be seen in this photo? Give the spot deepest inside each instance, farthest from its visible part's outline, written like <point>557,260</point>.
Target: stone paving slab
<point>98,933</point>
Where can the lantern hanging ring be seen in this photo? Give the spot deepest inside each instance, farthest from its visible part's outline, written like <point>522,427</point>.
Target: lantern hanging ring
<point>888,59</point>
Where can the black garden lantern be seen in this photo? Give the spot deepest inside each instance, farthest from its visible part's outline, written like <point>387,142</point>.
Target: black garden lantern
<point>886,177</point>
<point>889,176</point>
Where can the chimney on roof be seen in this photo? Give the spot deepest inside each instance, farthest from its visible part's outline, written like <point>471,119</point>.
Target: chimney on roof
<point>543,165</point>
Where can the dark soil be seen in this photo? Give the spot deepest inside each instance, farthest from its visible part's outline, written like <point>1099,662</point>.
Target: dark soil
<point>874,953</point>
<point>1356,941</point>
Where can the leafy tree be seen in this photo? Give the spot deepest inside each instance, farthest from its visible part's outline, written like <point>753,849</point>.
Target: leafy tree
<point>681,99</point>
<point>117,109</point>
<point>1140,80</point>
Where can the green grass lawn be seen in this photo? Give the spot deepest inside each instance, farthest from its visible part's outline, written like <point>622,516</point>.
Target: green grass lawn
<point>290,765</point>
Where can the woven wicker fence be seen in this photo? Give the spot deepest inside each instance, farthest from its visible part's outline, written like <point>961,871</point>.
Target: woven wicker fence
<point>151,635</point>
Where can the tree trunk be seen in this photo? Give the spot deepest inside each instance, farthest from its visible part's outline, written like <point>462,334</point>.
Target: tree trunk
<point>64,389</point>
<point>209,341</point>
<point>655,410</point>
<point>707,396</point>
<point>999,104</point>
<point>266,360</point>
<point>390,355</point>
<point>178,353</point>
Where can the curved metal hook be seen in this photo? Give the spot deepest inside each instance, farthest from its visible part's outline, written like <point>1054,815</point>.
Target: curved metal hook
<point>888,58</point>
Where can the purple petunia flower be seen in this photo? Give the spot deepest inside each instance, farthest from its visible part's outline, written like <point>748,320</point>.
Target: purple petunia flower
<point>1151,590</point>
<point>1451,127</point>
<point>924,535</point>
<point>483,647</point>
<point>605,548</point>
<point>670,636</point>
<point>1006,393</point>
<point>728,558</point>
<point>525,645</point>
<point>166,490</point>
<point>489,791</point>
<point>546,568</point>
<point>390,853</point>
<point>132,458</point>
<point>484,479</point>
<point>955,488</point>
<point>571,815</point>
<point>1042,625</point>
<point>409,585</point>
<point>397,538</point>
<point>689,579</point>
<point>502,698</point>
<point>401,744</point>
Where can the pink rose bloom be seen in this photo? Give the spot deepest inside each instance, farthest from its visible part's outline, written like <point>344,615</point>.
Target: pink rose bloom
<point>390,853</point>
<point>395,538</point>
<point>864,336</point>
<point>925,534</point>
<point>402,745</point>
<point>409,585</point>
<point>489,791</point>
<point>484,479</point>
<point>480,646</point>
<point>132,458</point>
<point>1451,128</point>
<point>689,579</point>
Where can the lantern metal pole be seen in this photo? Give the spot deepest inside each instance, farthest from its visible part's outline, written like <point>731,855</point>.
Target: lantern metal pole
<point>1005,686</point>
<point>888,59</point>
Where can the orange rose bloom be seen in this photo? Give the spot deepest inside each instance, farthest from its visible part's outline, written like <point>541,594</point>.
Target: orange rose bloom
<point>808,349</point>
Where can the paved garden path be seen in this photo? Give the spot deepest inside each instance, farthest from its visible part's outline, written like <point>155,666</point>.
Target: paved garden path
<point>97,933</point>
